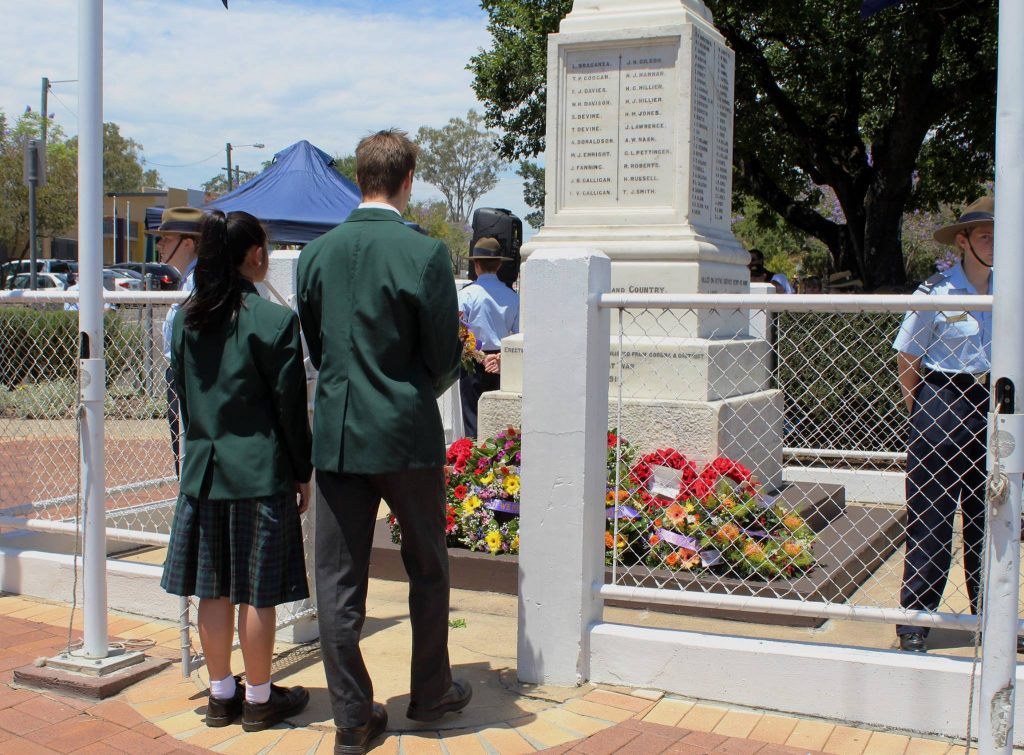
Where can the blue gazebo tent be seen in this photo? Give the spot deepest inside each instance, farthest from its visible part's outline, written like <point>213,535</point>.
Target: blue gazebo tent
<point>299,197</point>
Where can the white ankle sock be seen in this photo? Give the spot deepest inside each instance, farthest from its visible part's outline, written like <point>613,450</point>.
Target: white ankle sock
<point>223,689</point>
<point>257,693</point>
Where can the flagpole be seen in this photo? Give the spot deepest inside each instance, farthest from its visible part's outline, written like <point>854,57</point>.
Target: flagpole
<point>90,319</point>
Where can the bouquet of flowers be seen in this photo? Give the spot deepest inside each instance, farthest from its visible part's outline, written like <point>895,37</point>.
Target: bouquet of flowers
<point>663,510</point>
<point>471,355</point>
<point>716,518</point>
<point>482,494</point>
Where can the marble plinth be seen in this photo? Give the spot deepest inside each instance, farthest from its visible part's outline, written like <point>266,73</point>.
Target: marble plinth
<point>668,368</point>
<point>747,428</point>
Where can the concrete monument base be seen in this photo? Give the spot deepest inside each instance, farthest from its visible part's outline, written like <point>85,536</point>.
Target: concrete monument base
<point>667,367</point>
<point>745,428</point>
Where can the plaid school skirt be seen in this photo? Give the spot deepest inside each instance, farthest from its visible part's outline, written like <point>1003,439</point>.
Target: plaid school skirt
<point>249,551</point>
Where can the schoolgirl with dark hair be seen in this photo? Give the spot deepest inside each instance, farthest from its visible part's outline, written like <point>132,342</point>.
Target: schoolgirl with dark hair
<point>236,537</point>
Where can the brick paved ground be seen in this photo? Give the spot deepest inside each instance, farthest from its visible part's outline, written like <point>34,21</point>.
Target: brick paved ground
<point>163,714</point>
<point>32,722</point>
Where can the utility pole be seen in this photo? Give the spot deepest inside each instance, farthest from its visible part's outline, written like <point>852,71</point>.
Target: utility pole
<point>228,148</point>
<point>35,177</point>
<point>42,110</point>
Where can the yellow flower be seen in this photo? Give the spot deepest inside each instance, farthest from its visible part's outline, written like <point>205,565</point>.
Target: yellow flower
<point>488,478</point>
<point>471,504</point>
<point>493,541</point>
<point>515,544</point>
<point>512,484</point>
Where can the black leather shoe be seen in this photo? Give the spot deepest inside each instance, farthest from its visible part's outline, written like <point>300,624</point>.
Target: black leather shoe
<point>354,740</point>
<point>283,702</point>
<point>224,712</point>
<point>456,698</point>
<point>913,643</point>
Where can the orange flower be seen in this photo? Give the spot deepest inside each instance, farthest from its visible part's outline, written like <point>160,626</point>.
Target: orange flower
<point>753,549</point>
<point>654,540</point>
<point>672,559</point>
<point>623,495</point>
<point>609,497</point>
<point>676,514</point>
<point>792,521</point>
<point>729,503</point>
<point>609,541</point>
<point>727,533</point>
<point>792,549</point>
<point>657,522</point>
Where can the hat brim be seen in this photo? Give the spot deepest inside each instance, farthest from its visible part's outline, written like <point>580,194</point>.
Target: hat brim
<point>168,231</point>
<point>947,234</point>
<point>489,257</point>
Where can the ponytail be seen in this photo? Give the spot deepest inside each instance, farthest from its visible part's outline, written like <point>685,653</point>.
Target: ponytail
<point>223,243</point>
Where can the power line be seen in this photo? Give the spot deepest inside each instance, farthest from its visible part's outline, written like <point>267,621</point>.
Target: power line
<point>54,95</point>
<point>183,165</point>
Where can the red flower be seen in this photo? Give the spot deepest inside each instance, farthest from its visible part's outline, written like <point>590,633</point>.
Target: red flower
<point>460,450</point>
<point>612,440</point>
<point>459,492</point>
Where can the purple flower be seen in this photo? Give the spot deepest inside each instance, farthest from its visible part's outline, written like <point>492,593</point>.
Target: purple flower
<point>947,260</point>
<point>519,459</point>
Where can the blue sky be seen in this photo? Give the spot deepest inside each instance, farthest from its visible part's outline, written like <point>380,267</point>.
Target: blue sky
<point>183,77</point>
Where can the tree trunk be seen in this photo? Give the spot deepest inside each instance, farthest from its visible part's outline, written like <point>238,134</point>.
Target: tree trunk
<point>882,247</point>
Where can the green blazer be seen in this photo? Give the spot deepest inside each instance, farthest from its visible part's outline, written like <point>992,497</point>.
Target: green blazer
<point>242,390</point>
<point>380,316</point>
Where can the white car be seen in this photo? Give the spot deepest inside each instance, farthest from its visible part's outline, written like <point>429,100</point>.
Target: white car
<point>44,282</point>
<point>124,280</point>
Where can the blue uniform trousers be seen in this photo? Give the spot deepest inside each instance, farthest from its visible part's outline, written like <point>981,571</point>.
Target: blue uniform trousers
<point>471,386</point>
<point>945,468</point>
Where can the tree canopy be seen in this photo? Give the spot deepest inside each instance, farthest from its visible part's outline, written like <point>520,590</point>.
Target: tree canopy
<point>895,113</point>
<point>57,202</point>
<point>432,217</point>
<point>123,169</point>
<point>460,160</point>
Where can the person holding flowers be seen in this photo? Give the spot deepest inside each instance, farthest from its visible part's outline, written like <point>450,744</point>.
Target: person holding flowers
<point>491,311</point>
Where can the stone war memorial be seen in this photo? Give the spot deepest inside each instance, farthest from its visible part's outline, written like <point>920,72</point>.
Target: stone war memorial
<point>639,166</point>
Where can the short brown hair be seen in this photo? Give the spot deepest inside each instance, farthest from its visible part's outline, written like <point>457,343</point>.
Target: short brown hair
<point>383,160</point>
<point>488,265</point>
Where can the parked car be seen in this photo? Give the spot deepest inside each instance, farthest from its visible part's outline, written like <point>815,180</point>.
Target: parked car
<point>161,277</point>
<point>124,280</point>
<point>15,267</point>
<point>44,281</point>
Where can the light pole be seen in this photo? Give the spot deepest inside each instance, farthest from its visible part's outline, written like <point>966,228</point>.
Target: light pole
<point>228,149</point>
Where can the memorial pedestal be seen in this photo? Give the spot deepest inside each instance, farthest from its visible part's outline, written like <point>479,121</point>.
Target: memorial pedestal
<point>745,428</point>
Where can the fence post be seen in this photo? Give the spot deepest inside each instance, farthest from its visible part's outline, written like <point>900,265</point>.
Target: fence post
<point>565,423</point>
<point>1000,605</point>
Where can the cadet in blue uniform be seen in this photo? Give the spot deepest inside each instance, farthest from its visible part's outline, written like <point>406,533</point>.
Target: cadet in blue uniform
<point>943,365</point>
<point>491,310</point>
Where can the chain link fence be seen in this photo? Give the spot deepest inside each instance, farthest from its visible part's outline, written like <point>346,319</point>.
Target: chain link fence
<point>775,465</point>
<point>39,439</point>
<point>39,471</point>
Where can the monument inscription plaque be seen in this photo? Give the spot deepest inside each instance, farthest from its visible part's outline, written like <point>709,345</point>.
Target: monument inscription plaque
<point>620,129</point>
<point>647,125</point>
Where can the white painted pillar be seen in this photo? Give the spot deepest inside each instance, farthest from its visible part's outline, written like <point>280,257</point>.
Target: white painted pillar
<point>281,276</point>
<point>1000,605</point>
<point>565,424</point>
